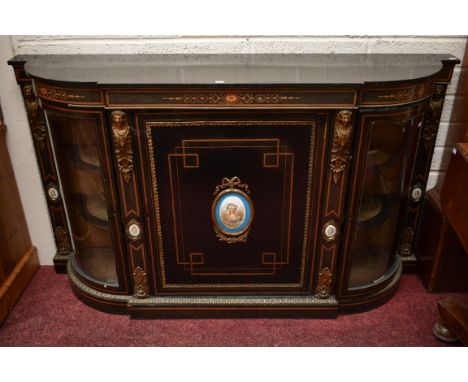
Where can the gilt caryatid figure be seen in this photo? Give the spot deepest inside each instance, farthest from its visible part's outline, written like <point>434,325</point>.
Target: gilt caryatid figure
<point>35,118</point>
<point>121,132</point>
<point>341,143</point>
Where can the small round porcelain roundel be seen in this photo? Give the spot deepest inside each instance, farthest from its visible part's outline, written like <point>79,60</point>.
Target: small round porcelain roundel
<point>134,231</point>
<point>416,193</point>
<point>330,231</point>
<point>53,193</point>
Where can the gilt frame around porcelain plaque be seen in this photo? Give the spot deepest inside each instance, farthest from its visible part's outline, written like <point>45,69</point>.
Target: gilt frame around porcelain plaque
<point>232,211</point>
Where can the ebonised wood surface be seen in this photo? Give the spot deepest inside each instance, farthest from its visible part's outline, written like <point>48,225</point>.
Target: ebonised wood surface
<point>306,135</point>
<point>261,69</point>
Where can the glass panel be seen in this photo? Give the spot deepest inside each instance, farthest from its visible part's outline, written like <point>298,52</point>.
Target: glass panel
<point>75,144</point>
<point>388,161</point>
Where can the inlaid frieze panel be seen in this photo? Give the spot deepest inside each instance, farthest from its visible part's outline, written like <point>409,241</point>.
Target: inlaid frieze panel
<point>69,94</point>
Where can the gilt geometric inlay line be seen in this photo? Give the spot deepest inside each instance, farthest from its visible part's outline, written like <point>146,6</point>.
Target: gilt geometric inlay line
<point>187,149</point>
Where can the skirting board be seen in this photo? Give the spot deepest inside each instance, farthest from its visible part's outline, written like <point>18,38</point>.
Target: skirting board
<point>14,285</point>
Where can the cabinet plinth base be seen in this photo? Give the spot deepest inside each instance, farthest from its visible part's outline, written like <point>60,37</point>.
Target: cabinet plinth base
<point>227,306</point>
<point>409,264</point>
<point>60,263</point>
<point>233,306</point>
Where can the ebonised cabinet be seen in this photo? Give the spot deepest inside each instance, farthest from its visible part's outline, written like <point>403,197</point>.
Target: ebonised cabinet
<point>224,184</point>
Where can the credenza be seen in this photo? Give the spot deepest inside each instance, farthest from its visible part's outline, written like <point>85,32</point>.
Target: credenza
<point>234,184</point>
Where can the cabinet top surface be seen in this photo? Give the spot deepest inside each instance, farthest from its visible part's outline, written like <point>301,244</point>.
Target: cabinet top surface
<point>255,69</point>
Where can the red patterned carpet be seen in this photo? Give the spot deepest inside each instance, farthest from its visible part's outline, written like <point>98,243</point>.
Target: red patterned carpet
<point>48,314</point>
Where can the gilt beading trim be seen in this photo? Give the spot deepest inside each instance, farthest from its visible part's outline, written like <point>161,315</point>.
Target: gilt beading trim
<point>235,301</point>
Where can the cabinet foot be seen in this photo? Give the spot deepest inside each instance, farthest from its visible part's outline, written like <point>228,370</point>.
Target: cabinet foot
<point>443,333</point>
<point>453,321</point>
<point>60,263</point>
<point>409,264</point>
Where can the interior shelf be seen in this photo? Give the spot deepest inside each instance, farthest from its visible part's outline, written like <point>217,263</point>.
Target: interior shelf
<point>378,157</point>
<point>375,209</point>
<point>93,209</point>
<point>84,156</point>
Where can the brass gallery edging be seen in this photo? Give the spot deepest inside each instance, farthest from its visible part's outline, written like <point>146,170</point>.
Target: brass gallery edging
<point>234,301</point>
<point>293,107</point>
<point>409,258</point>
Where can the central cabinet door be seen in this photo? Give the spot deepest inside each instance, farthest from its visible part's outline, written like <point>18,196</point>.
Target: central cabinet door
<point>232,199</point>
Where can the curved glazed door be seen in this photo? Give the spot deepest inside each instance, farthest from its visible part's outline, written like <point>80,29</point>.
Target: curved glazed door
<point>81,151</point>
<point>386,147</point>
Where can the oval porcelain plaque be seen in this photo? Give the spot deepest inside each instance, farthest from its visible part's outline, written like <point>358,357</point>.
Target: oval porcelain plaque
<point>232,212</point>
